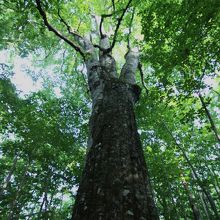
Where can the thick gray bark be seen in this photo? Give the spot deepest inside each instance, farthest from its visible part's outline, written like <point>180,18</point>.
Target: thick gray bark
<point>130,67</point>
<point>115,182</point>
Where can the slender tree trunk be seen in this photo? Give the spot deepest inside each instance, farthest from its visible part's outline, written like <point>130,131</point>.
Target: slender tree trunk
<point>213,127</point>
<point>115,182</point>
<point>215,180</point>
<point>204,205</point>
<point>195,210</point>
<point>207,204</point>
<point>8,178</point>
<point>195,175</point>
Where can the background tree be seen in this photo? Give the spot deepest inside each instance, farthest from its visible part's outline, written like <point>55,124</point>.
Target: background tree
<point>178,113</point>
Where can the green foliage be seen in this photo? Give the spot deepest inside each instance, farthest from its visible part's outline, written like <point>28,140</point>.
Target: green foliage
<point>181,36</point>
<point>43,136</point>
<point>181,57</point>
<point>42,152</point>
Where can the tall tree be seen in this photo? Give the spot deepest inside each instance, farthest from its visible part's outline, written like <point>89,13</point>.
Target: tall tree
<point>177,117</point>
<point>115,183</point>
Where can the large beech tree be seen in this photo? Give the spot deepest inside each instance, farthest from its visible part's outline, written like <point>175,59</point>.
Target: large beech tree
<point>115,182</point>
<point>97,51</point>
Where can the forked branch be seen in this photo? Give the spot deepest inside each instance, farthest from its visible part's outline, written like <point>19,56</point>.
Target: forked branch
<point>101,22</point>
<point>116,29</point>
<point>118,26</point>
<point>56,32</point>
<point>68,26</point>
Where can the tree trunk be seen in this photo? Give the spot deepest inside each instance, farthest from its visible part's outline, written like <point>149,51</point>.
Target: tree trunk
<point>8,178</point>
<point>115,182</point>
<point>204,205</point>
<point>195,210</point>
<point>215,182</point>
<point>213,127</point>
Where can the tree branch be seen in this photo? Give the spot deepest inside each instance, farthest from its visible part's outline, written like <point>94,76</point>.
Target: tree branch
<point>117,27</point>
<point>68,26</point>
<point>103,16</point>
<point>95,30</point>
<point>129,33</point>
<point>113,5</point>
<point>142,76</point>
<point>56,32</point>
<point>213,127</point>
<point>100,27</point>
